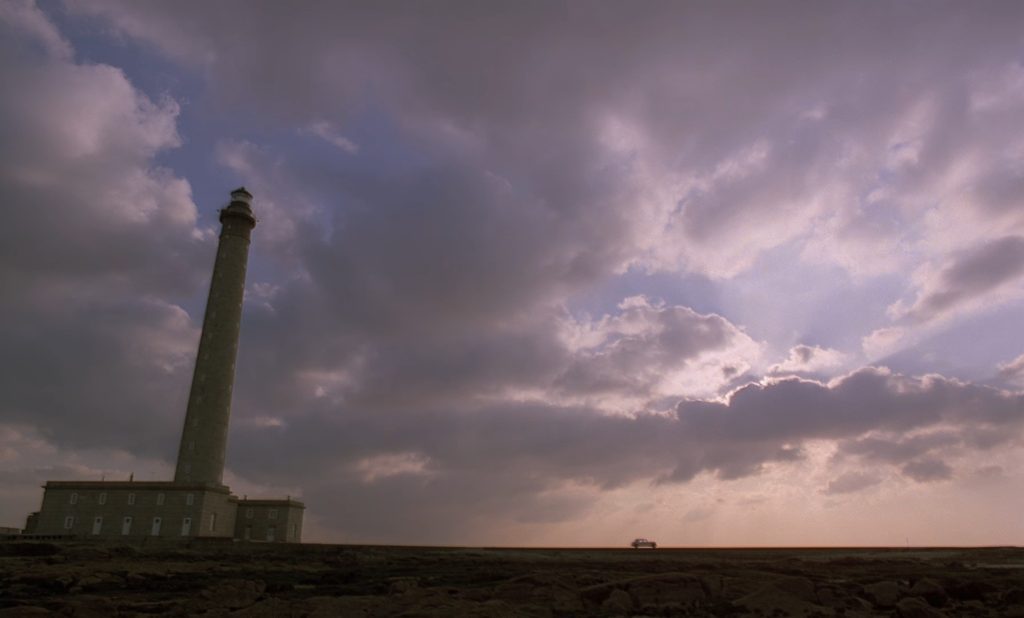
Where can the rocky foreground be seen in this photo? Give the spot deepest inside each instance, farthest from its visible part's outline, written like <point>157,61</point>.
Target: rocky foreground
<point>39,579</point>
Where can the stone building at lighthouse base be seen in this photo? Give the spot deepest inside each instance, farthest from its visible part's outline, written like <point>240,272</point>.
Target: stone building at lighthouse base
<point>134,510</point>
<point>196,504</point>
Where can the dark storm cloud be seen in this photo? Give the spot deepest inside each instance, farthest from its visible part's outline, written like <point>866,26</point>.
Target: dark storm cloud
<point>92,375</point>
<point>447,248</point>
<point>928,470</point>
<point>899,449</point>
<point>766,114</point>
<point>970,276</point>
<point>92,237</point>
<point>851,482</point>
<point>495,455</point>
<point>620,361</point>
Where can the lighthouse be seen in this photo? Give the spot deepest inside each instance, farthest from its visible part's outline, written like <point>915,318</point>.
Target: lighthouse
<point>205,435</point>
<point>196,504</point>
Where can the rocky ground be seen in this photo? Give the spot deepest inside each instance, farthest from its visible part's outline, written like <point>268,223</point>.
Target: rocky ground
<point>40,579</point>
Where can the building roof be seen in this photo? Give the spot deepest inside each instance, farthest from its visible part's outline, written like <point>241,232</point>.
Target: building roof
<point>138,485</point>
<point>272,502</point>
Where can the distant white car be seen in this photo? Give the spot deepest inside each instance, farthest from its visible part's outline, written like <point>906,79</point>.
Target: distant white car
<point>639,543</point>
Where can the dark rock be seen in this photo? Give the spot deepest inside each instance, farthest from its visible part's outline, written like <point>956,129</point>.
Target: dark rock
<point>88,552</point>
<point>773,600</point>
<point>618,601</point>
<point>929,590</point>
<point>151,607</point>
<point>24,610</point>
<point>883,594</point>
<point>543,590</point>
<point>799,587</point>
<point>232,593</point>
<point>914,607</point>
<point>402,585</point>
<point>970,590</point>
<point>271,608</point>
<point>829,597</point>
<point>90,582</point>
<point>667,589</point>
<point>28,548</point>
<point>713,584</point>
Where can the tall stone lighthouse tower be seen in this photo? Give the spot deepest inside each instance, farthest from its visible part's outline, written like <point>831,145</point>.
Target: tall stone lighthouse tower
<point>196,504</point>
<point>204,438</point>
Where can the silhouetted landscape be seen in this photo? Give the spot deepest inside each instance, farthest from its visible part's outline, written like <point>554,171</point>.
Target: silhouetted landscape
<point>339,580</point>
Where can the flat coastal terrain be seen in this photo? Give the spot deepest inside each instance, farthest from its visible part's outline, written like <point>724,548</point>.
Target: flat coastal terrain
<point>40,579</point>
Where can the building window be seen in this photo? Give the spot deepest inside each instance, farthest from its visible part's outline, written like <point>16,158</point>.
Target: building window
<point>69,522</point>
<point>213,521</point>
<point>103,497</point>
<point>272,514</point>
<point>191,445</point>
<point>190,499</point>
<point>271,533</point>
<point>295,531</point>
<point>186,526</point>
<point>155,530</point>
<point>160,499</point>
<point>131,499</point>
<point>248,533</point>
<point>248,513</point>
<point>97,525</point>
<point>126,526</point>
<point>74,498</point>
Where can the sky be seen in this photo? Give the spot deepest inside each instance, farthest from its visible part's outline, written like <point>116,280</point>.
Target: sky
<point>530,273</point>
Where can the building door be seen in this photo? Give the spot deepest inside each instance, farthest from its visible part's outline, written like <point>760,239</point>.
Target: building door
<point>126,526</point>
<point>186,526</point>
<point>155,530</point>
<point>97,525</point>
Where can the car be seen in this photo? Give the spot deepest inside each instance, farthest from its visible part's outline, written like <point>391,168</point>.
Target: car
<point>639,543</point>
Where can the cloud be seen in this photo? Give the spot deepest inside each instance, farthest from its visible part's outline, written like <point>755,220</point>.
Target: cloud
<point>805,358</point>
<point>1012,371</point>
<point>883,341</point>
<point>720,154</point>
<point>920,457</point>
<point>652,349</point>
<point>643,356</point>
<point>876,449</point>
<point>495,455</point>
<point>94,235</point>
<point>25,17</point>
<point>852,482</point>
<point>967,280</point>
<point>325,131</point>
<point>928,470</point>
